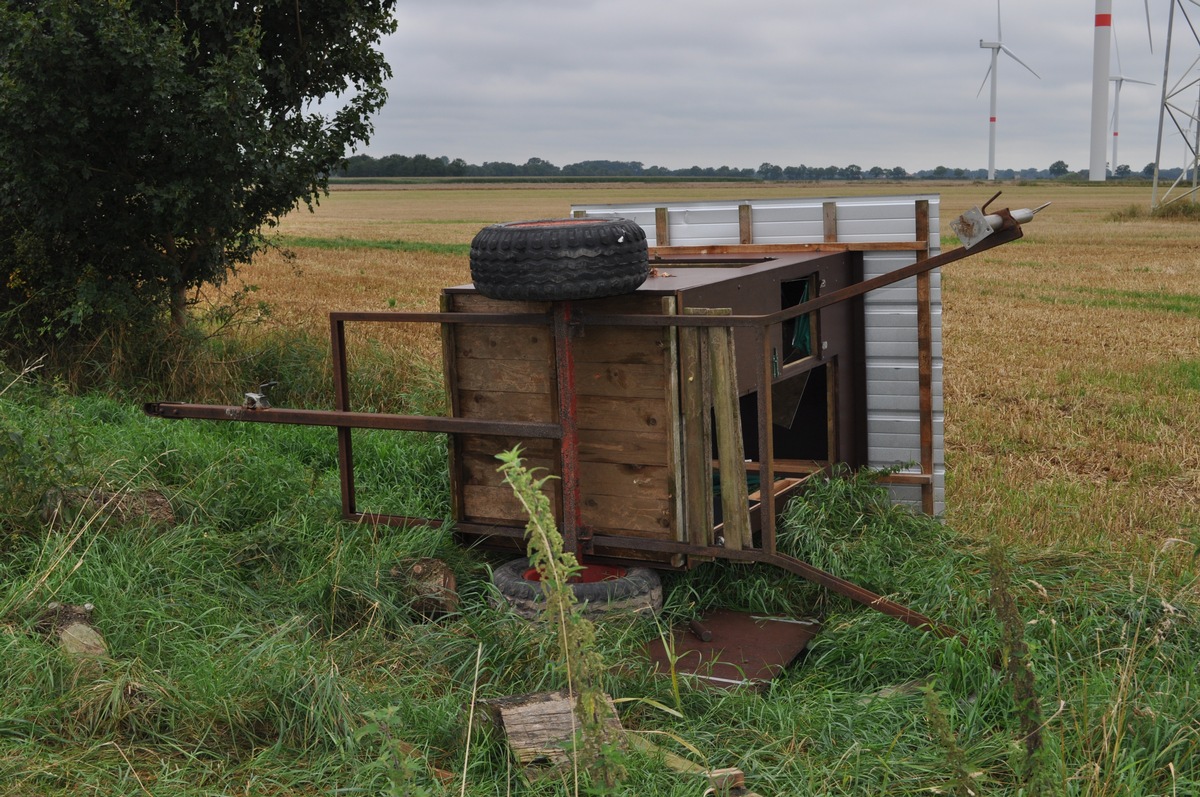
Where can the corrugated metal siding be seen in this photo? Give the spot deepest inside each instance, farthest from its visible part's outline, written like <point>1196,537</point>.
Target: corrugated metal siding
<point>893,423</point>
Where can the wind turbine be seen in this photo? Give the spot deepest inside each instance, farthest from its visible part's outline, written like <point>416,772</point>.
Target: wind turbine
<point>1101,75</point>
<point>1101,47</point>
<point>1117,81</point>
<point>996,47</point>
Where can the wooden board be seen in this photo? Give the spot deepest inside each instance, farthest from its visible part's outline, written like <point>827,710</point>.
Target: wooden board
<point>505,376</point>
<point>625,380</point>
<point>624,414</point>
<point>500,406</point>
<point>509,343</point>
<point>541,727</point>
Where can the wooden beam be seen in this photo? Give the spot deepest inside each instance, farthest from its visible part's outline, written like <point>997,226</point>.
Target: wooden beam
<point>676,455</point>
<point>735,505</point>
<point>662,227</point>
<point>696,411</point>
<point>829,221</point>
<point>745,224</point>
<point>925,358</point>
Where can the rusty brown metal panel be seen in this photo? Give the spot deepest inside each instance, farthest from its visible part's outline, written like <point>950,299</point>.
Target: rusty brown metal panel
<point>727,649</point>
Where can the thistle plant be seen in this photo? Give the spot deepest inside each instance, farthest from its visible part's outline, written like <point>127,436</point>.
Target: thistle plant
<point>579,659</point>
<point>1018,672</point>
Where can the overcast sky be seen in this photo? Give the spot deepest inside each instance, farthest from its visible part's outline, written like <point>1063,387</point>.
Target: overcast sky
<point>677,83</point>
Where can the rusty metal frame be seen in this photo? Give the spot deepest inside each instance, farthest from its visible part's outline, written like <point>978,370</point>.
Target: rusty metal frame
<point>565,319</point>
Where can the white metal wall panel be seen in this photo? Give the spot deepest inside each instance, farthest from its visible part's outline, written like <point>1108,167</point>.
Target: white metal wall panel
<point>893,423</point>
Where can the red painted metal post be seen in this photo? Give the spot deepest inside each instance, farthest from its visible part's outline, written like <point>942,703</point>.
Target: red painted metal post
<point>564,363</point>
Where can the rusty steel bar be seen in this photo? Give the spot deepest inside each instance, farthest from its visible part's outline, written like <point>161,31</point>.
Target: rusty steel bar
<point>803,569</point>
<point>355,420</point>
<point>341,403</point>
<point>1002,236</point>
<point>564,366</point>
<point>491,319</point>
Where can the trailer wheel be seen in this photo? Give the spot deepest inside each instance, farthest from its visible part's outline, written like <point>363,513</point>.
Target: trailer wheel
<point>632,590</point>
<point>559,259</point>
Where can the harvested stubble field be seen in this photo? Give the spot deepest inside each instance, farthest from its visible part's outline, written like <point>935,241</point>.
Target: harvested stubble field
<point>1072,357</point>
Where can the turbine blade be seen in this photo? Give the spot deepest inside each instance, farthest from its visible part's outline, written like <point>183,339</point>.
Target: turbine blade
<point>986,75</point>
<point>999,35</point>
<point>1013,56</point>
<point>1149,35</point>
<point>1116,47</point>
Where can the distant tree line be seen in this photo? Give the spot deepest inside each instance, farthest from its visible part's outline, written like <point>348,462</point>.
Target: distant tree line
<point>426,166</point>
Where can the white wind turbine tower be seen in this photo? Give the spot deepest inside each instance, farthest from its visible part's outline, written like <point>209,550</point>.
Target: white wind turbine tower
<point>1101,75</point>
<point>1117,81</point>
<point>996,47</point>
<point>1101,48</point>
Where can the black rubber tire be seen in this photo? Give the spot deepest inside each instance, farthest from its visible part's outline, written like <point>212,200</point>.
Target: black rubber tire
<point>638,592</point>
<point>559,259</point>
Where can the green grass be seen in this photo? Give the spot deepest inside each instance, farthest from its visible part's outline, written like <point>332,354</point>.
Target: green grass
<point>300,241</point>
<point>259,644</point>
<point>1151,301</point>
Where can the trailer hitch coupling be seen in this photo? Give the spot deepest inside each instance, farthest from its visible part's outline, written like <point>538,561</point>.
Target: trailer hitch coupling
<point>975,225</point>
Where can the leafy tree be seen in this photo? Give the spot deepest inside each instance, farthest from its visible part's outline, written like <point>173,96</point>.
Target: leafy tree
<point>1059,168</point>
<point>145,145</point>
<point>1123,171</point>
<point>769,171</point>
<point>536,167</point>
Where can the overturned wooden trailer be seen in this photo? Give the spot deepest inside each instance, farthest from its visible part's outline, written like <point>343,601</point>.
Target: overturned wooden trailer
<point>679,417</point>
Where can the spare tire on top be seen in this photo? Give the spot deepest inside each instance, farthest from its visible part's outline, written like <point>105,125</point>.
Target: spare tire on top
<point>559,259</point>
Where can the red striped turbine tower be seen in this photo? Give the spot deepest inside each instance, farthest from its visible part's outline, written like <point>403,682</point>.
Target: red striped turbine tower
<point>1098,165</point>
<point>996,47</point>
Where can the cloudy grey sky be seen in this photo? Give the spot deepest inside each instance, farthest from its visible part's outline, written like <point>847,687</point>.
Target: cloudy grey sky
<point>677,83</point>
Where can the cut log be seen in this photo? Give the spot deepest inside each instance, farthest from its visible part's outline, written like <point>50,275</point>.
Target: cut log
<point>542,727</point>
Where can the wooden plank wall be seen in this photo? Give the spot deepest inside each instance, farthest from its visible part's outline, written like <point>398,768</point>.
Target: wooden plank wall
<point>626,387</point>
